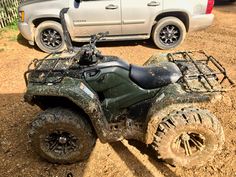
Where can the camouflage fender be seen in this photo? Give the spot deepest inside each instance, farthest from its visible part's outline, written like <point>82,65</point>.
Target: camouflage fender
<point>79,93</point>
<point>171,98</point>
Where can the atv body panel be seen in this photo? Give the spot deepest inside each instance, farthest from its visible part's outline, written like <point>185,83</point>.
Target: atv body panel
<point>115,88</point>
<point>116,105</point>
<point>84,90</point>
<point>203,80</point>
<point>120,102</point>
<point>75,90</point>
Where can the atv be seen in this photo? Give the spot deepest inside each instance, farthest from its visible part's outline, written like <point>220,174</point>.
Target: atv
<point>85,95</point>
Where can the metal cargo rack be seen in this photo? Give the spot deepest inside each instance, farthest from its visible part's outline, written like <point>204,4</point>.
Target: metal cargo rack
<point>201,72</point>
<point>51,69</point>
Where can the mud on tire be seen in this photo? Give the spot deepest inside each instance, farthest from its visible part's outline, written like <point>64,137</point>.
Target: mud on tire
<point>62,135</point>
<point>189,138</point>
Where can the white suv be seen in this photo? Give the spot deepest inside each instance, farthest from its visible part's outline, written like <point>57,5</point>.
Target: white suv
<point>165,21</point>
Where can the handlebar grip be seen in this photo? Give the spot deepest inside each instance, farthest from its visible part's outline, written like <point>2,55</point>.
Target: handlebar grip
<point>79,55</point>
<point>99,36</point>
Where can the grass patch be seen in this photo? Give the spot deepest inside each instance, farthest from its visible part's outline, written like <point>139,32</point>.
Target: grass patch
<point>12,26</point>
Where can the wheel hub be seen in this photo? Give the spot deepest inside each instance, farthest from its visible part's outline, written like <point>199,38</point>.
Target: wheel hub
<point>61,142</point>
<point>169,35</point>
<point>51,38</point>
<point>185,137</point>
<point>189,143</point>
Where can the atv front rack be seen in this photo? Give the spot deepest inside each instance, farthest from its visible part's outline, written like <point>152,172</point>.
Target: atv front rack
<point>50,70</point>
<point>201,72</point>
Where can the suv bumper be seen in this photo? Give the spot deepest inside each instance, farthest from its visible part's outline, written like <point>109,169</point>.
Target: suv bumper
<point>200,22</point>
<point>26,31</point>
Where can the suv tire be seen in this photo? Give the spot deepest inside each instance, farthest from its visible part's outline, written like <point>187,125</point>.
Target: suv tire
<point>169,32</point>
<point>62,136</point>
<point>189,138</point>
<point>49,37</point>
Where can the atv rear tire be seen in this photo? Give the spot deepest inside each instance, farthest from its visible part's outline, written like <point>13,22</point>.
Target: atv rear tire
<point>188,138</point>
<point>62,136</point>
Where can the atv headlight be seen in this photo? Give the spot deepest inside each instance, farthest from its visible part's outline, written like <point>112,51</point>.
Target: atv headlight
<point>21,16</point>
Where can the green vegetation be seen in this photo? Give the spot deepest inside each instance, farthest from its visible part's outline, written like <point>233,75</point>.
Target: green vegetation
<point>11,27</point>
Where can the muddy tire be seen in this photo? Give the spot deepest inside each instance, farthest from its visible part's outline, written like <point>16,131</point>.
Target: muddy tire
<point>62,136</point>
<point>169,32</point>
<point>188,138</point>
<point>49,37</point>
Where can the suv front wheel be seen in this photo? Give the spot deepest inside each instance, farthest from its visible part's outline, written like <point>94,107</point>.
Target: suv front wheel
<point>169,32</point>
<point>49,37</point>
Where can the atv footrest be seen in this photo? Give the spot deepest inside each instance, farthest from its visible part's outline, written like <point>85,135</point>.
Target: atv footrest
<point>201,72</point>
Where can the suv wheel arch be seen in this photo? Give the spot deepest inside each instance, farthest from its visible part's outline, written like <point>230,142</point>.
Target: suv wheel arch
<point>183,16</point>
<point>39,20</point>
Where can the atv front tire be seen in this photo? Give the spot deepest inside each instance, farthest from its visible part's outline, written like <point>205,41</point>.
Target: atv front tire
<point>188,138</point>
<point>62,136</point>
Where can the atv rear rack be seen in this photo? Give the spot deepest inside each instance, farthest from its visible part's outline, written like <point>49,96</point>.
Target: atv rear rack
<point>201,72</point>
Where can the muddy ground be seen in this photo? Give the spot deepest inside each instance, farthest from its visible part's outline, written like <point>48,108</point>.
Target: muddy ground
<point>121,158</point>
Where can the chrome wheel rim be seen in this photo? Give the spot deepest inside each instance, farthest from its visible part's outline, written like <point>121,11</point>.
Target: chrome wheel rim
<point>51,39</point>
<point>169,35</point>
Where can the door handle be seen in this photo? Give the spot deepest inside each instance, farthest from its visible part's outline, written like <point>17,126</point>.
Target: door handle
<point>111,7</point>
<point>153,3</point>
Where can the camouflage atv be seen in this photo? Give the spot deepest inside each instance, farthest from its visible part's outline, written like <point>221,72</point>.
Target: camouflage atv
<point>85,95</point>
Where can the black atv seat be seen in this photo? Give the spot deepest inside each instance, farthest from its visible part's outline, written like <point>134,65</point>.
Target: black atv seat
<point>155,76</point>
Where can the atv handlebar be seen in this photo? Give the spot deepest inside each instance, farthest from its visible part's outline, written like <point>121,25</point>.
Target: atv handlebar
<point>88,54</point>
<point>97,37</point>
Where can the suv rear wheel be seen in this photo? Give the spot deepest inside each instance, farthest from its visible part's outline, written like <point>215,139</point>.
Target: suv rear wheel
<point>62,135</point>
<point>49,37</point>
<point>169,32</point>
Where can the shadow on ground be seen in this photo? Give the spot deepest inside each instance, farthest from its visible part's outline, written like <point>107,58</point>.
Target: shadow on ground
<point>21,40</point>
<point>16,154</point>
<point>18,158</point>
<point>225,6</point>
<point>135,165</point>
<point>224,2</point>
<point>148,43</point>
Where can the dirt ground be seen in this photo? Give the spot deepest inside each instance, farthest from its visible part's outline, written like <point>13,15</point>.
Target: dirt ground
<point>121,158</point>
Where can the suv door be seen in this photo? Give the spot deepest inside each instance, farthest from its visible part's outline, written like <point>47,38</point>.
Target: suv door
<point>138,15</point>
<point>94,16</point>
